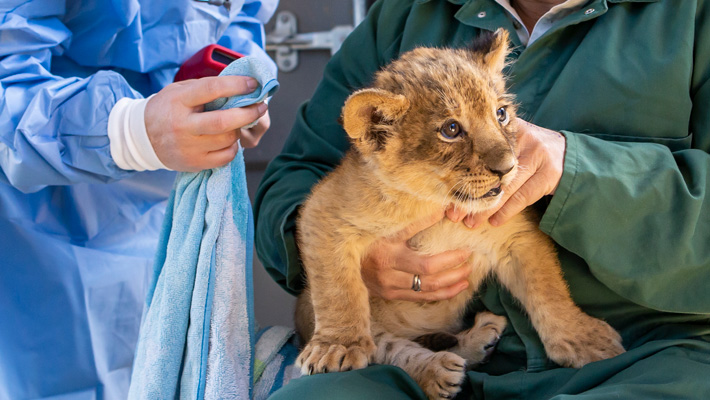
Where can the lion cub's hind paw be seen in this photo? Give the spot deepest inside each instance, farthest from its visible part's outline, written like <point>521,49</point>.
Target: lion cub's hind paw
<point>594,341</point>
<point>441,376</point>
<point>478,343</point>
<point>321,356</point>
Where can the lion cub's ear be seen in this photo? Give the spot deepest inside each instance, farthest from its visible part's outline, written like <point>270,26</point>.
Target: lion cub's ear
<point>499,50</point>
<point>368,112</point>
<point>493,47</point>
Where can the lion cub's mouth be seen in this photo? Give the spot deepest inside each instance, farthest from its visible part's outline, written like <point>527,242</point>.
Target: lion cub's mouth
<point>467,196</point>
<point>493,192</point>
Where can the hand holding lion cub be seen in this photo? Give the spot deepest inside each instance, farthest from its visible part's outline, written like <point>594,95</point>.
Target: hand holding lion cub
<point>391,263</point>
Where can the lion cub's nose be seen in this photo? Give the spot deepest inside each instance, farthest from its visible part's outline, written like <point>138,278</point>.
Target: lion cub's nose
<point>497,156</point>
<point>501,170</point>
<point>499,161</point>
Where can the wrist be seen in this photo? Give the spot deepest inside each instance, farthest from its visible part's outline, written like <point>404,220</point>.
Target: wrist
<point>129,143</point>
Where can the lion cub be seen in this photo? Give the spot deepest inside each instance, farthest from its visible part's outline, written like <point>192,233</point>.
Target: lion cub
<point>436,128</point>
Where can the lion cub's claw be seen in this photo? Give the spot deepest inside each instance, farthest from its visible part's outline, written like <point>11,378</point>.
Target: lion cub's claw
<point>442,376</point>
<point>592,340</point>
<point>322,355</point>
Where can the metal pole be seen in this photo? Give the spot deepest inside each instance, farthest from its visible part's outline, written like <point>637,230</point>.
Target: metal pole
<point>359,11</point>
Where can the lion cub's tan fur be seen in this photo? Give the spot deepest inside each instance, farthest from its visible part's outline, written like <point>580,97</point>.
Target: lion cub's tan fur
<point>401,168</point>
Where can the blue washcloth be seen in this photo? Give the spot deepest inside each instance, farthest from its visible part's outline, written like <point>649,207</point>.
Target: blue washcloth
<point>198,335</point>
<point>247,66</point>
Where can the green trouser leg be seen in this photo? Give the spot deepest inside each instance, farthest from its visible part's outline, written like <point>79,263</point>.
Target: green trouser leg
<point>663,369</point>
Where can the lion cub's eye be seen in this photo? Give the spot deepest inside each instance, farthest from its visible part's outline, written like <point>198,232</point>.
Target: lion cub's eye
<point>502,115</point>
<point>451,130</point>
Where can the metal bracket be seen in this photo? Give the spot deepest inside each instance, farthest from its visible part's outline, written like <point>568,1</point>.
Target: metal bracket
<point>286,42</point>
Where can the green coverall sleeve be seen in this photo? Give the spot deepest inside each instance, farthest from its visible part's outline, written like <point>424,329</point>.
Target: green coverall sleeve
<point>316,144</point>
<point>639,213</point>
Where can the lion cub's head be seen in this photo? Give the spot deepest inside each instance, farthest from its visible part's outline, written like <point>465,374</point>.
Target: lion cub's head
<point>438,124</point>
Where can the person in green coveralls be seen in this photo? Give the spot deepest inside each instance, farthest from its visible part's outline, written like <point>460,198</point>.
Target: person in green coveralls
<point>616,95</point>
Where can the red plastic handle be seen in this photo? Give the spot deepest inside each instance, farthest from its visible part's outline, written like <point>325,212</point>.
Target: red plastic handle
<point>209,61</point>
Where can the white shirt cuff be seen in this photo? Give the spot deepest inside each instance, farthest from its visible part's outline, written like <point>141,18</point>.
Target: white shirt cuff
<point>129,144</point>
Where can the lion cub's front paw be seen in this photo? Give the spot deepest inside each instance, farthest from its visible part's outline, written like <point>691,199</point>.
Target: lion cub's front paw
<point>590,340</point>
<point>326,354</point>
<point>442,375</point>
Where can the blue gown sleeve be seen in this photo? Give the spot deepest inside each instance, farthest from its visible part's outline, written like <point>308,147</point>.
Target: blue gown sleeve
<point>53,130</point>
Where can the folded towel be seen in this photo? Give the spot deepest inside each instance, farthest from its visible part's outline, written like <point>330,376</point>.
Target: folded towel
<point>275,359</point>
<point>198,334</point>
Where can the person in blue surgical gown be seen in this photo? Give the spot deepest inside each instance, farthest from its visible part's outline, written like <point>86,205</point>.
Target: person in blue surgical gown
<point>85,170</point>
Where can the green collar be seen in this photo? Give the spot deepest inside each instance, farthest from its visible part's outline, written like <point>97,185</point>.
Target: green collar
<point>489,15</point>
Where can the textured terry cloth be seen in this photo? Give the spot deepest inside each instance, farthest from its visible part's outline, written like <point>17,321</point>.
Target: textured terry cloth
<point>197,338</point>
<point>274,360</point>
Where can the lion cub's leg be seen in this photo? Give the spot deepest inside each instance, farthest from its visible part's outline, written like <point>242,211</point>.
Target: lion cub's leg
<point>571,337</point>
<point>438,373</point>
<point>341,337</point>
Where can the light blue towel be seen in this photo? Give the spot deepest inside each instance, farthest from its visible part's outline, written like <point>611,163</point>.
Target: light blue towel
<point>198,337</point>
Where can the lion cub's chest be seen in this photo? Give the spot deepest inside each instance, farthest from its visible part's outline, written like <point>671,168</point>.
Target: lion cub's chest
<point>486,242</point>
